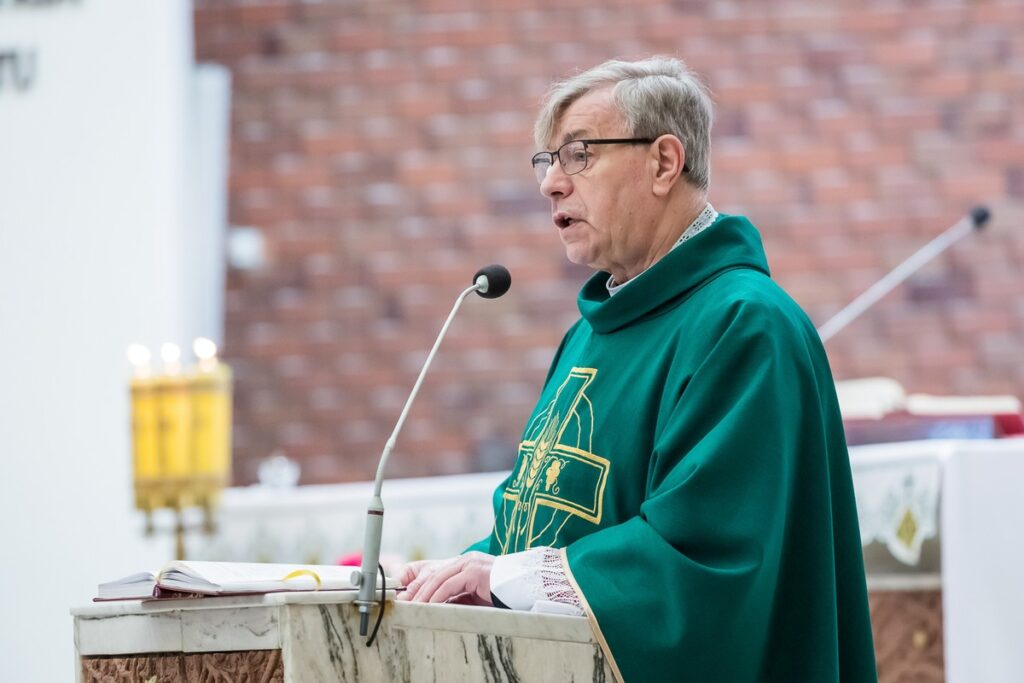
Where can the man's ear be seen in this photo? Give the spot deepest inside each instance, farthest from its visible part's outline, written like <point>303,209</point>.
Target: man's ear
<point>668,157</point>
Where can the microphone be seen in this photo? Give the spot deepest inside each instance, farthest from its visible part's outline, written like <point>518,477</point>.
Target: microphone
<point>489,282</point>
<point>975,220</point>
<point>495,281</point>
<point>979,217</point>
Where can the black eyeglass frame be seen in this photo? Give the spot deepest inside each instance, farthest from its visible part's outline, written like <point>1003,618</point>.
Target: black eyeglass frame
<point>550,156</point>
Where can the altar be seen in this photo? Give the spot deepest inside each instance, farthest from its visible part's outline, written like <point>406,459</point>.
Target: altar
<point>940,524</point>
<point>308,637</point>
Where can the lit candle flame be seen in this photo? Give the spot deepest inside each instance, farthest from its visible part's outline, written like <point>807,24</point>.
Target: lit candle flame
<point>171,355</point>
<point>139,357</point>
<point>206,351</point>
<point>204,348</point>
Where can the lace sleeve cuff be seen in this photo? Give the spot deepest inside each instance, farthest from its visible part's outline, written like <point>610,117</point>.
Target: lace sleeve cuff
<point>534,581</point>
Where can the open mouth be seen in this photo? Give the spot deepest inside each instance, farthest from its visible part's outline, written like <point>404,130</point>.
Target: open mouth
<point>563,220</point>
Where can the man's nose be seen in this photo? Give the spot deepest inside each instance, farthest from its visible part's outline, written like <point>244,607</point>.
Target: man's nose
<point>555,182</point>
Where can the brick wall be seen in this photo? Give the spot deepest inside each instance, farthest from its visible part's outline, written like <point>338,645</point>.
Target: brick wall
<point>381,147</point>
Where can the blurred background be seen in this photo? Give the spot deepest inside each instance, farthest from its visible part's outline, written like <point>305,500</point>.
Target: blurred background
<point>379,153</point>
<point>310,184</point>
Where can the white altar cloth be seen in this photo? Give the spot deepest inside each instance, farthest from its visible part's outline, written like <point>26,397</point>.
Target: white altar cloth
<point>980,500</point>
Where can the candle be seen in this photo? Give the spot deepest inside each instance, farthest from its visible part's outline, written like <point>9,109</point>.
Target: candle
<point>144,426</point>
<point>211,432</point>
<point>174,414</point>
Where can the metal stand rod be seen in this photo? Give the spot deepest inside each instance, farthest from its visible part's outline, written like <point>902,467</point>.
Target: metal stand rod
<point>975,220</point>
<point>366,578</point>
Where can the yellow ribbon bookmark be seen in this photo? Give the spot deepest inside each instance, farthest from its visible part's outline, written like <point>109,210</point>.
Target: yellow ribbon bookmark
<point>304,572</point>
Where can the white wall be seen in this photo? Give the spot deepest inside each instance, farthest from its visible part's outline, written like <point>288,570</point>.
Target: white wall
<point>92,202</point>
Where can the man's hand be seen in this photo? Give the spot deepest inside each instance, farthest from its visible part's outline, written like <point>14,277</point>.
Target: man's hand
<point>464,579</point>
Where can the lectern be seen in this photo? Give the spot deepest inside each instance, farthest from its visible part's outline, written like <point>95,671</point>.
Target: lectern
<point>310,637</point>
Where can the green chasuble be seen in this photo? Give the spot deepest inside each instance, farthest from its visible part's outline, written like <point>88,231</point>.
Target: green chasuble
<point>687,453</point>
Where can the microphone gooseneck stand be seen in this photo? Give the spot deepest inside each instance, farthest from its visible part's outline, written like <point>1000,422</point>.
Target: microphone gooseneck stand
<point>972,222</point>
<point>490,283</point>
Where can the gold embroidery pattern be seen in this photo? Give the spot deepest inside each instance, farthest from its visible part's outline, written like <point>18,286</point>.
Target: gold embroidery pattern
<point>555,466</point>
<point>557,477</point>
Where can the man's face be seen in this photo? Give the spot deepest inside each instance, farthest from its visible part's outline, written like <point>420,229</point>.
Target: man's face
<point>602,213</point>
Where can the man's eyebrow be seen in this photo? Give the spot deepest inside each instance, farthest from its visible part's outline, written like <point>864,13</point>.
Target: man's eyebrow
<point>574,135</point>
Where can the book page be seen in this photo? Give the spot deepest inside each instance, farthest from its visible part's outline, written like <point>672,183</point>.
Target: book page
<point>230,577</point>
<point>139,585</point>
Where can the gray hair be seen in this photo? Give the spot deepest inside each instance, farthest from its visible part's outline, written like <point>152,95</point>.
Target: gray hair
<point>656,96</point>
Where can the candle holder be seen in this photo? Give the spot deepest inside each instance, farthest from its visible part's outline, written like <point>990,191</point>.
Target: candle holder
<point>181,435</point>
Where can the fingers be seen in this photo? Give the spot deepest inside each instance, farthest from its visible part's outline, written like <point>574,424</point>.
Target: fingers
<point>416,574</point>
<point>443,580</point>
<point>426,589</point>
<point>460,584</point>
<point>411,571</point>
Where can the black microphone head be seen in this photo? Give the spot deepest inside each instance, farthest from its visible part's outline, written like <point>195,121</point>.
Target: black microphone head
<point>496,281</point>
<point>980,215</point>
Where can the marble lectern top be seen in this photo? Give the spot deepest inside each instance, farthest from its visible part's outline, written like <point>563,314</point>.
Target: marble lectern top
<point>316,634</point>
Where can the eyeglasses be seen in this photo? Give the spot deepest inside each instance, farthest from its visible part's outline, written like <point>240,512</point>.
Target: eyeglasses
<point>574,155</point>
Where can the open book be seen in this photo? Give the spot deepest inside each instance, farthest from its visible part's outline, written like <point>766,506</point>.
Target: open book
<point>197,579</point>
<point>136,586</point>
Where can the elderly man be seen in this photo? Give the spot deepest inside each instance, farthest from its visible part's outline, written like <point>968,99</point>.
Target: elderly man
<point>683,480</point>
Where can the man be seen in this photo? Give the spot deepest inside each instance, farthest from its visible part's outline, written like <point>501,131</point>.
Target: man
<point>684,479</point>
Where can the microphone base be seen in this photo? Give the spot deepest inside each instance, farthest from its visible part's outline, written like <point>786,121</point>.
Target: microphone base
<point>364,622</point>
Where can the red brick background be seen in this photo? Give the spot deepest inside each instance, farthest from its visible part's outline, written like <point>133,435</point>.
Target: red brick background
<point>382,147</point>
